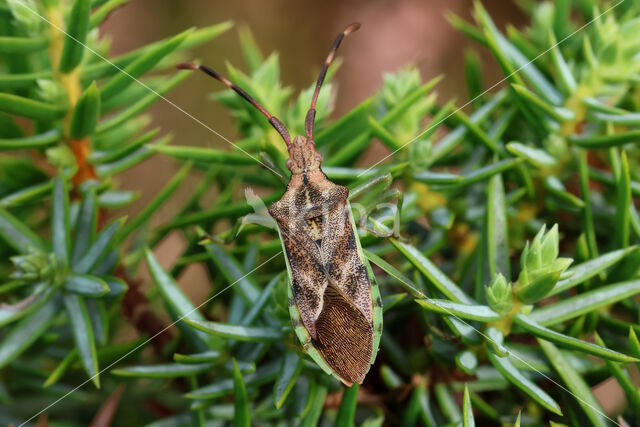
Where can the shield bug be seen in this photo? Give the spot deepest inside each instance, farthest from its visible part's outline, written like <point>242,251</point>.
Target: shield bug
<point>334,301</point>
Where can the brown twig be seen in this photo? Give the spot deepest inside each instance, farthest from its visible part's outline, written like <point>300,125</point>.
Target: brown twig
<point>135,308</point>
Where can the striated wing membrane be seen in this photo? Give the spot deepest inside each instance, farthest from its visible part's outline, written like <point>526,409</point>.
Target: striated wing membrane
<point>345,336</point>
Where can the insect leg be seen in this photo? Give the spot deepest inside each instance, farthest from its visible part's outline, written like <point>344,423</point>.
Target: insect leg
<point>373,186</point>
<point>392,198</point>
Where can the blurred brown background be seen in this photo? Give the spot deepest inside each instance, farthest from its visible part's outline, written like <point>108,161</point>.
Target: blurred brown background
<point>393,34</point>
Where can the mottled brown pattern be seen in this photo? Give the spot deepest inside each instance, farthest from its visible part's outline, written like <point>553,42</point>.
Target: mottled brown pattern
<point>330,284</point>
<point>314,229</point>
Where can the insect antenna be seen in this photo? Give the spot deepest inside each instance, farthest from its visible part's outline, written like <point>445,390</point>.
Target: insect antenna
<point>311,114</point>
<point>273,120</point>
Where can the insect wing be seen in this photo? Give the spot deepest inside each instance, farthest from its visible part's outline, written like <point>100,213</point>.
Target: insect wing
<point>335,278</point>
